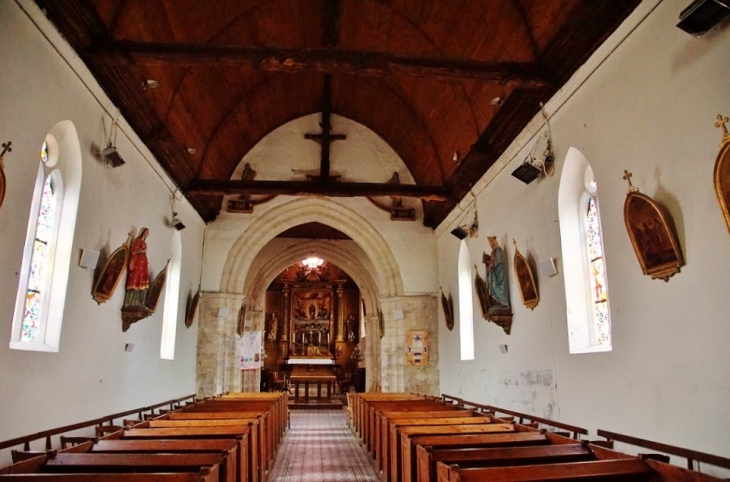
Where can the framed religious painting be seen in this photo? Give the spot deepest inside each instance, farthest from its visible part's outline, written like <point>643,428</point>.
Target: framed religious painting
<point>6,148</point>
<point>721,175</point>
<point>651,234</point>
<point>153,295</point>
<point>525,280</point>
<point>110,275</point>
<point>482,292</point>
<point>448,306</point>
<point>192,308</point>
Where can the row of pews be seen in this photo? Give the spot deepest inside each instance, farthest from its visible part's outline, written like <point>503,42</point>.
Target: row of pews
<point>425,439</point>
<point>230,438</point>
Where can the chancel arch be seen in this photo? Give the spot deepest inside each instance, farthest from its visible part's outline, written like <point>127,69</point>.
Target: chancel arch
<point>254,238</point>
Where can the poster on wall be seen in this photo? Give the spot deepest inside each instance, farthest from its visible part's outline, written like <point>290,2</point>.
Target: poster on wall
<point>251,350</point>
<point>417,344</point>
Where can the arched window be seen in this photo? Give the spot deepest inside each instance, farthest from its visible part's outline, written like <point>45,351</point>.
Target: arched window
<point>586,286</point>
<point>172,300</point>
<point>466,304</point>
<point>47,252</point>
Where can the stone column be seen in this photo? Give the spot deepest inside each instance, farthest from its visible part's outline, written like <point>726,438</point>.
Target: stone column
<point>419,312</point>
<point>340,313</point>
<point>218,357</point>
<point>251,379</point>
<point>372,352</point>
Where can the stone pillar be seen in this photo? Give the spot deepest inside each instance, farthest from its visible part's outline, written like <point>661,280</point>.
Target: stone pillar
<point>251,379</point>
<point>340,313</point>
<point>286,312</point>
<point>218,356</point>
<point>372,352</point>
<point>420,312</point>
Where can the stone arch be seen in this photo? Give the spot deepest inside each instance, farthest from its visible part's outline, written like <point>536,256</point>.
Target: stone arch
<point>385,270</point>
<point>335,252</point>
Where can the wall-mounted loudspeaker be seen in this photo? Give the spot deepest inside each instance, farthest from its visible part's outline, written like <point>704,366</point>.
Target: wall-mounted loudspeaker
<point>547,268</point>
<point>701,16</point>
<point>112,156</point>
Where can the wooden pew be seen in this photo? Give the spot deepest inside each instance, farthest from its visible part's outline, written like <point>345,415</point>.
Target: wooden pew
<point>122,463</point>
<point>256,470</point>
<point>268,417</point>
<point>203,475</point>
<point>236,462</point>
<point>390,440</point>
<point>427,457</point>
<point>439,417</point>
<point>628,469</point>
<point>382,417</point>
<point>362,399</point>
<point>372,409</point>
<point>403,458</point>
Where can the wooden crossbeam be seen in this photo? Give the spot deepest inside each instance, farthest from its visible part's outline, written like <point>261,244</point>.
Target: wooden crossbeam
<point>323,60</point>
<point>316,188</point>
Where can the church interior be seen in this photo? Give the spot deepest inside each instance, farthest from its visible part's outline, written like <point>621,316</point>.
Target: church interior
<point>520,203</point>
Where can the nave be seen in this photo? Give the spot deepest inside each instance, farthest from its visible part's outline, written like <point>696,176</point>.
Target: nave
<point>320,447</point>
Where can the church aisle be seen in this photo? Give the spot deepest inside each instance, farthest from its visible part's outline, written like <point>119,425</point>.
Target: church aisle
<point>320,447</point>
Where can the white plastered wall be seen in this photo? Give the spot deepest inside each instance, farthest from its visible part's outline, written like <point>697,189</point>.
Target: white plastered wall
<point>646,104</point>
<point>42,84</point>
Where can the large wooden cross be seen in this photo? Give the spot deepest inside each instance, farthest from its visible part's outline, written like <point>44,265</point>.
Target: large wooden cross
<point>326,137</point>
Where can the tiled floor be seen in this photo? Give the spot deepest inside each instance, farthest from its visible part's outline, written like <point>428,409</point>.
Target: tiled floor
<point>320,447</point>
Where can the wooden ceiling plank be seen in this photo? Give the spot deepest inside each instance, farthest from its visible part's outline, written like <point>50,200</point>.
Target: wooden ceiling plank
<point>323,60</point>
<point>315,188</point>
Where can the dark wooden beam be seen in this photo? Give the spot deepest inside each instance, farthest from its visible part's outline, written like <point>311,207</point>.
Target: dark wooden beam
<point>323,60</point>
<point>316,188</point>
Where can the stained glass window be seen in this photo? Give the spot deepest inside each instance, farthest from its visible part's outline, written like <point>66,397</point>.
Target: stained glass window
<point>39,261</point>
<point>597,275</point>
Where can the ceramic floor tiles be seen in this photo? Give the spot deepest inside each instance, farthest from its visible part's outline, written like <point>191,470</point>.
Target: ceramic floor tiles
<point>320,447</point>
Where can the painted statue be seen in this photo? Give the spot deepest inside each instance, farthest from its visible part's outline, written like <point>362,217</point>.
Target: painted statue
<point>138,275</point>
<point>497,281</point>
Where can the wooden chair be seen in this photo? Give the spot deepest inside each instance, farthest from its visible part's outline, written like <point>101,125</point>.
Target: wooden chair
<point>279,382</point>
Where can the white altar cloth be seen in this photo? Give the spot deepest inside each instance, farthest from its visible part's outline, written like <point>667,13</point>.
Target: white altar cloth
<point>310,361</point>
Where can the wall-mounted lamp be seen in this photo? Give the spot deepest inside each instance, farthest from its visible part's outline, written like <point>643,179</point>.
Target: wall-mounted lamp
<point>150,84</point>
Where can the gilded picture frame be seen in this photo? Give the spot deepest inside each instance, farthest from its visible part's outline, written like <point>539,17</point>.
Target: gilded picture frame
<point>721,173</point>
<point>651,234</point>
<point>155,291</point>
<point>525,280</point>
<point>111,273</point>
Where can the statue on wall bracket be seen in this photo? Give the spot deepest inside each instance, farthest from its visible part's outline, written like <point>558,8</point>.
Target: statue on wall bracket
<point>398,212</point>
<point>500,308</point>
<point>245,202</point>
<point>651,234</point>
<point>721,175</point>
<point>141,296</point>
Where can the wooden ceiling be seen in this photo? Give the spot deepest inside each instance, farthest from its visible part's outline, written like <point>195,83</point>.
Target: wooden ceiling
<point>419,73</point>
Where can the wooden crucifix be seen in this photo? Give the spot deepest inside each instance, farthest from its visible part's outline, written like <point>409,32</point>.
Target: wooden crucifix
<point>326,137</point>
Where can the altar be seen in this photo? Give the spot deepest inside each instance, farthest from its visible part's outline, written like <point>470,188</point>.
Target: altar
<point>314,370</point>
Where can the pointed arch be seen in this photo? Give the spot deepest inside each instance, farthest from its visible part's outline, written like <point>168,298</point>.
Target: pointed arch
<point>385,269</point>
<point>588,326</point>
<point>342,254</point>
<point>60,176</point>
